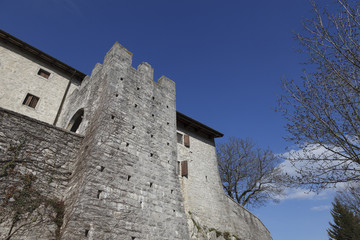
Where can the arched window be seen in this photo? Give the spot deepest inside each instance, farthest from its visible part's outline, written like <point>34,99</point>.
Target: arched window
<point>75,121</point>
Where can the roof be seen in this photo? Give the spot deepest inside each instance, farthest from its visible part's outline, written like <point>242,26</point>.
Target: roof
<point>8,38</point>
<point>197,125</point>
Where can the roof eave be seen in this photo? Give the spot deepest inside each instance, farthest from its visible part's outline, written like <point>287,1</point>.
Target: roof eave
<point>8,38</point>
<point>192,122</point>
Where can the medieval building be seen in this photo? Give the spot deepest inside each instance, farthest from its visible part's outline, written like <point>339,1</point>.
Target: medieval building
<point>105,156</point>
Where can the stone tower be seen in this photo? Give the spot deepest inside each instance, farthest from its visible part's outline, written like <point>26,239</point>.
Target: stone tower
<point>125,183</point>
<point>106,156</point>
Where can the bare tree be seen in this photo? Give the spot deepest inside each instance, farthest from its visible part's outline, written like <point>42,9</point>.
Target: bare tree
<point>248,173</point>
<point>323,112</point>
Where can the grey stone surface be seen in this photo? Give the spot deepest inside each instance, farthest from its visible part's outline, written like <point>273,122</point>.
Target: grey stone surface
<point>130,132</point>
<point>29,148</point>
<point>19,76</point>
<point>204,197</point>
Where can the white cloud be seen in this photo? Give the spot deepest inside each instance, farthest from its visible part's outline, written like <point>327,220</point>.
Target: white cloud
<point>307,164</point>
<point>321,208</point>
<point>301,194</point>
<point>291,168</point>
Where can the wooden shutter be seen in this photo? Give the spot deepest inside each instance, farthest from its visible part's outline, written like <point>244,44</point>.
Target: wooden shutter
<point>184,168</point>
<point>186,140</point>
<point>27,100</point>
<point>34,101</point>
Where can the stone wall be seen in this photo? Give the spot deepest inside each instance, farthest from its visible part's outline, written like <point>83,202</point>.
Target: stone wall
<point>36,163</point>
<point>126,185</point>
<point>210,211</point>
<point>19,76</point>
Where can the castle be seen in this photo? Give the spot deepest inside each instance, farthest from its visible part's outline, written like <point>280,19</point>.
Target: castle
<point>106,156</point>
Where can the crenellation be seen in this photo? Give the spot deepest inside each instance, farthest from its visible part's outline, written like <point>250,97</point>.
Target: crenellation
<point>118,56</point>
<point>146,71</point>
<point>96,69</point>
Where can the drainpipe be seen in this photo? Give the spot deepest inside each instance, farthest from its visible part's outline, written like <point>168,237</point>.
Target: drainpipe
<point>63,99</point>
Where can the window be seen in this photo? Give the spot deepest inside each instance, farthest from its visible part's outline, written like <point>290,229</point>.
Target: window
<point>183,139</point>
<point>31,100</point>
<point>43,73</point>
<point>179,138</point>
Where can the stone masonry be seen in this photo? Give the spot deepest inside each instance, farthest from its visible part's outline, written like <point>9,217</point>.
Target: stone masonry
<point>135,168</point>
<point>37,154</point>
<point>125,184</point>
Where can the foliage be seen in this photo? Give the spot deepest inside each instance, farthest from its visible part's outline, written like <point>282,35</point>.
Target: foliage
<point>323,113</point>
<point>59,209</point>
<point>26,206</point>
<point>350,197</point>
<point>202,230</point>
<point>15,149</point>
<point>346,224</point>
<point>248,173</point>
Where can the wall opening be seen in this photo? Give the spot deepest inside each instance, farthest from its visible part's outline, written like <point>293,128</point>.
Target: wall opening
<point>75,121</point>
<point>31,100</point>
<point>43,73</point>
<point>98,194</point>
<point>179,138</point>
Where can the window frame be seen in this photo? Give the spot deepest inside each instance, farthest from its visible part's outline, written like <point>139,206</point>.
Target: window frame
<point>41,72</point>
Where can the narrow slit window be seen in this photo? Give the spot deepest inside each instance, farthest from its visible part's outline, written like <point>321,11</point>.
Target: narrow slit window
<point>31,100</point>
<point>98,194</point>
<point>44,73</point>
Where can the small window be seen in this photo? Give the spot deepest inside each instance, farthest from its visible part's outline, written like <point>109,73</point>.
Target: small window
<point>179,138</point>
<point>44,73</point>
<point>31,100</point>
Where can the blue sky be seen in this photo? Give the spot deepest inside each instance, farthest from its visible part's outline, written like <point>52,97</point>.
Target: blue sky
<point>226,57</point>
